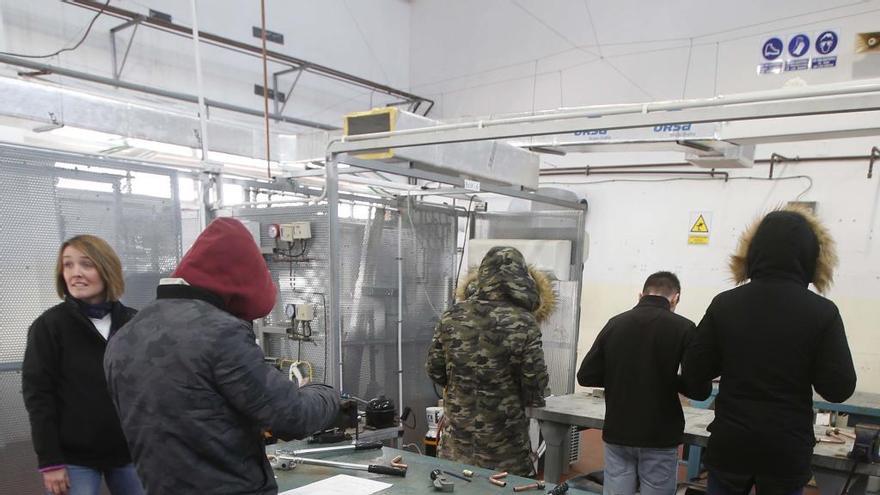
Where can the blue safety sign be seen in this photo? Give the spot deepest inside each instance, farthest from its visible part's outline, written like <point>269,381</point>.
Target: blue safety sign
<point>826,42</point>
<point>771,67</point>
<point>797,64</point>
<point>772,49</point>
<point>798,45</point>
<point>824,62</point>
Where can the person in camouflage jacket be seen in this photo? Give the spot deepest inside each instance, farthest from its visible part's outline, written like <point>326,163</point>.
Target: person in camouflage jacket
<point>487,353</point>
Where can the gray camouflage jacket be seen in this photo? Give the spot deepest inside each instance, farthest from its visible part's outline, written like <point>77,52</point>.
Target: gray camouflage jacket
<point>487,352</point>
<point>193,395</point>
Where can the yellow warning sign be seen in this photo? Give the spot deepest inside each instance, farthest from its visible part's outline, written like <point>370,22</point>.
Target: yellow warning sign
<point>700,226</point>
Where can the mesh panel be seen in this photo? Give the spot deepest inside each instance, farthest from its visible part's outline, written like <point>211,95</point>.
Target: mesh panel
<point>429,252</point>
<point>29,238</point>
<point>40,206</point>
<point>559,337</point>
<point>297,282</point>
<point>18,474</point>
<point>369,296</point>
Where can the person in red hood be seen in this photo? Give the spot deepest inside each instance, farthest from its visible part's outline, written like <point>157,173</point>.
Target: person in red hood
<point>190,384</point>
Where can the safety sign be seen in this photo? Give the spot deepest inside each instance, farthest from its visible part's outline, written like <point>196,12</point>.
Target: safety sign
<point>771,67</point>
<point>772,48</point>
<point>799,52</point>
<point>699,227</point>
<point>823,62</point>
<point>797,64</point>
<point>799,45</point>
<point>826,42</point>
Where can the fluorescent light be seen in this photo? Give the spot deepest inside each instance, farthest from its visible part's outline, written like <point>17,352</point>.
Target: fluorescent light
<point>48,127</point>
<point>238,159</point>
<point>159,147</point>
<point>85,135</point>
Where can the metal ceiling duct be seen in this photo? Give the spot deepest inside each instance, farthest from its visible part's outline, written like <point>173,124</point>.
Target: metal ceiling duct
<point>494,161</point>
<point>53,105</point>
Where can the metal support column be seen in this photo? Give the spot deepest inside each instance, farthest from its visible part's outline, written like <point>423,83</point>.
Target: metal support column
<point>400,311</point>
<point>203,110</point>
<point>332,189</point>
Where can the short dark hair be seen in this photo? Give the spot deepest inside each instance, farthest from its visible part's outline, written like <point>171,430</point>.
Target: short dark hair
<point>665,283</point>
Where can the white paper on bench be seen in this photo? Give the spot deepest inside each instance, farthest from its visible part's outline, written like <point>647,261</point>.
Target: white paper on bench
<point>341,484</point>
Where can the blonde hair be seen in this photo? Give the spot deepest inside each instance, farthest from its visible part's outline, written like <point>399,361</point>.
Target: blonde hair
<point>106,262</point>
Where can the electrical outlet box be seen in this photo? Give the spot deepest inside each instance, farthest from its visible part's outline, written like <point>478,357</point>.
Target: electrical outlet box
<point>305,312</point>
<point>302,230</point>
<point>295,231</point>
<point>286,232</point>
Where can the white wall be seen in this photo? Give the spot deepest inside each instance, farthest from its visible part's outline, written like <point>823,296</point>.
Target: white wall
<point>637,227</point>
<point>368,39</point>
<point>525,55</point>
<point>507,56</point>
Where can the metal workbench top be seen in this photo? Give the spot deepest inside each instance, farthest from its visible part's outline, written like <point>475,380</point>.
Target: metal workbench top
<point>581,409</point>
<point>417,480</point>
<point>861,403</point>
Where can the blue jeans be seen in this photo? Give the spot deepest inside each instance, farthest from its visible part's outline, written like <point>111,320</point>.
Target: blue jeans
<point>655,469</point>
<point>120,481</point>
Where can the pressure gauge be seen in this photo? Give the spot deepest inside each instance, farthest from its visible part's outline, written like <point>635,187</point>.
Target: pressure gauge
<point>290,310</point>
<point>274,230</point>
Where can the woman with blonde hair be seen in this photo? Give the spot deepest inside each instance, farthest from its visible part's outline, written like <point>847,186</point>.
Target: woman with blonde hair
<point>74,426</point>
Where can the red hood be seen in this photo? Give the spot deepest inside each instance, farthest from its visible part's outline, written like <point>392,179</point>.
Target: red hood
<point>226,261</point>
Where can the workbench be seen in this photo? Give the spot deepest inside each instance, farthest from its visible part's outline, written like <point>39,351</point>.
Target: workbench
<point>862,404</point>
<point>416,482</point>
<point>830,463</point>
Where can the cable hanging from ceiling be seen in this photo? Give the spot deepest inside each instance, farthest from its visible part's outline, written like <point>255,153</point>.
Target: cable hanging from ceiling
<point>69,48</point>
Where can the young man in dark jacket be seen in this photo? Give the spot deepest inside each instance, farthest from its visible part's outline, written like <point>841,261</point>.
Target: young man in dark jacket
<point>636,358</point>
<point>189,381</point>
<point>771,341</point>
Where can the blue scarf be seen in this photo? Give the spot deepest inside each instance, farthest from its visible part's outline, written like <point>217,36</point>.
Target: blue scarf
<point>96,311</point>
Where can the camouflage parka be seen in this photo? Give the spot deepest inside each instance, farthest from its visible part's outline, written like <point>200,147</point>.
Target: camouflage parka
<point>487,353</point>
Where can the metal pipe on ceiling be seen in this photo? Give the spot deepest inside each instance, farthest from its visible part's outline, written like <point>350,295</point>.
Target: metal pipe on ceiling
<point>85,76</point>
<point>265,84</point>
<point>589,171</point>
<point>203,108</point>
<point>647,167</point>
<point>254,50</point>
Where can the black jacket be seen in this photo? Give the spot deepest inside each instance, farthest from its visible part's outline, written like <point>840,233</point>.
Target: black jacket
<point>636,358</point>
<point>193,393</point>
<point>72,418</point>
<point>771,341</point>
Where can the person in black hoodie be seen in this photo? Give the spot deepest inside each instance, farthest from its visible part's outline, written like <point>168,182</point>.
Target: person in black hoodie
<point>771,341</point>
<point>192,388</point>
<point>74,427</point>
<point>636,358</point>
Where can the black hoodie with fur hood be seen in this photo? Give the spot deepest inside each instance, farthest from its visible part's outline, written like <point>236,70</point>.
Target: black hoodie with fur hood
<point>772,341</point>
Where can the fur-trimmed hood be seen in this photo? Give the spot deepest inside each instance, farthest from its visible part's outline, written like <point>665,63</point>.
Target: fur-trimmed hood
<point>789,242</point>
<point>467,287</point>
